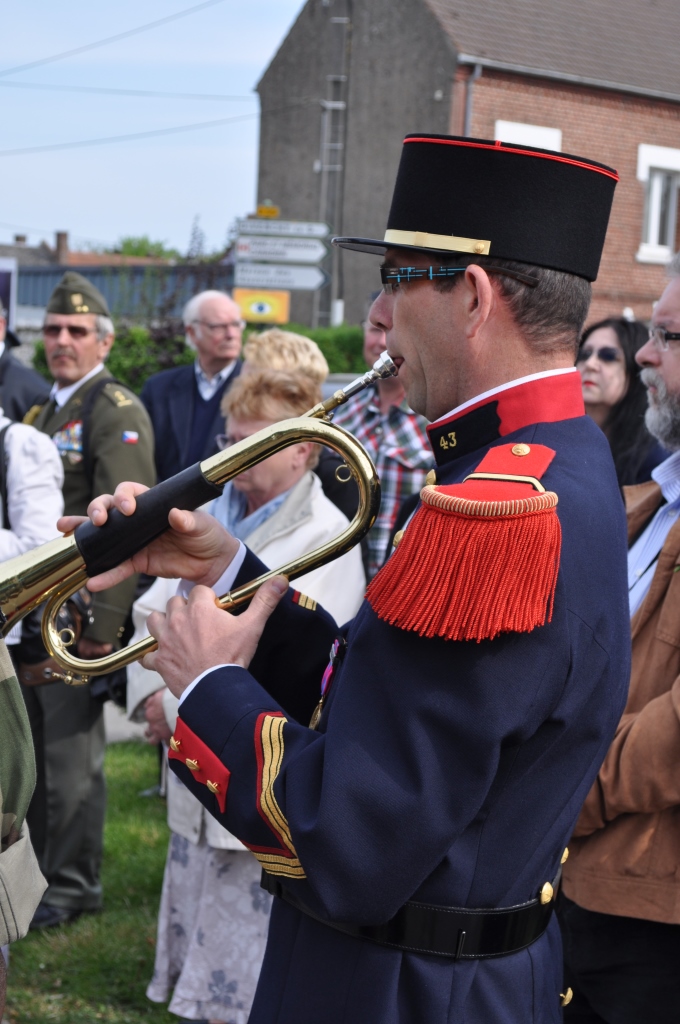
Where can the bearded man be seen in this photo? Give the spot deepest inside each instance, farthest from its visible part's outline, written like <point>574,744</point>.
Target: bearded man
<point>621,907</point>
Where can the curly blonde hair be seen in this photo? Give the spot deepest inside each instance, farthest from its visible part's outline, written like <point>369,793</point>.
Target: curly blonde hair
<point>272,395</point>
<point>283,350</point>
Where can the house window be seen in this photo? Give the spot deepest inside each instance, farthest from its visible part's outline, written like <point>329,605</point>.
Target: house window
<point>535,135</point>
<point>659,171</point>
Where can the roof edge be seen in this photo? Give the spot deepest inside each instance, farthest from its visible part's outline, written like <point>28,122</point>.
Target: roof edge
<point>564,76</point>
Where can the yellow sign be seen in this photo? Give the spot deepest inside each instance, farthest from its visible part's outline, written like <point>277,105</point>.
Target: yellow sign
<point>268,210</point>
<point>263,307</point>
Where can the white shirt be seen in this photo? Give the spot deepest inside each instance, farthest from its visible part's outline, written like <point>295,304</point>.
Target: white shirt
<point>34,481</point>
<point>62,395</point>
<point>207,386</point>
<point>643,555</point>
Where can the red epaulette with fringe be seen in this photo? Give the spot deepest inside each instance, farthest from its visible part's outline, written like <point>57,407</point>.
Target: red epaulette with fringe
<point>478,558</point>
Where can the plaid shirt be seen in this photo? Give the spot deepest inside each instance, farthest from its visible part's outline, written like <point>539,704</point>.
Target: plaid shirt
<point>398,445</point>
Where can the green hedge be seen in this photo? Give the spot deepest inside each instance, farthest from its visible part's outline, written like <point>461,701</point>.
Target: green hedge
<point>137,353</point>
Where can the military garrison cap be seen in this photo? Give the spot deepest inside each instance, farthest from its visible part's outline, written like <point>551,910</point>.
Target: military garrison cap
<point>478,197</point>
<point>75,294</point>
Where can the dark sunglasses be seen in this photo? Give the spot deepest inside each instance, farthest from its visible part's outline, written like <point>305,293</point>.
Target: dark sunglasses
<point>75,330</point>
<point>606,354</point>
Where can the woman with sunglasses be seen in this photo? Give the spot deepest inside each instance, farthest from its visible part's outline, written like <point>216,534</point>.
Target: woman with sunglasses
<point>615,397</point>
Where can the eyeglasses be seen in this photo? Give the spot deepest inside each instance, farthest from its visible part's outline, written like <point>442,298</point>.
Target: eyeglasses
<point>392,277</point>
<point>233,325</point>
<point>75,330</point>
<point>606,354</point>
<point>660,336</point>
<point>223,441</point>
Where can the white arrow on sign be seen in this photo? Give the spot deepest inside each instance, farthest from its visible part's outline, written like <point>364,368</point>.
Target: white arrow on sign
<point>280,250</point>
<point>272,275</point>
<point>297,228</point>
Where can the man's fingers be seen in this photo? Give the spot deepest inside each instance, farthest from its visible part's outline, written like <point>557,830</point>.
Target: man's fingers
<point>263,604</point>
<point>156,624</point>
<point>112,577</point>
<point>67,524</point>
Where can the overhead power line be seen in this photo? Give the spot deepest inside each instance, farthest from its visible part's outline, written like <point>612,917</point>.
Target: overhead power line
<point>109,39</point>
<point>125,92</point>
<point>195,126</point>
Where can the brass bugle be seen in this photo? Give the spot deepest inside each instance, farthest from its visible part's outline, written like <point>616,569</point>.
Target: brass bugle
<point>55,571</point>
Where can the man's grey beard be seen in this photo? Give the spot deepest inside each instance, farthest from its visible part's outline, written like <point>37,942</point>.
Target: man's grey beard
<point>663,412</point>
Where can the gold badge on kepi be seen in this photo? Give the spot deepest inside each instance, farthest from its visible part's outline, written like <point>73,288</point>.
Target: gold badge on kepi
<point>77,299</point>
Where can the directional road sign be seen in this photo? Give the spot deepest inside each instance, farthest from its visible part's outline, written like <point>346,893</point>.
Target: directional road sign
<point>296,228</point>
<point>274,275</point>
<point>271,249</point>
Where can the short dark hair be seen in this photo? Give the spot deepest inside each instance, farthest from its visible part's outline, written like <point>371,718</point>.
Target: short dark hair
<point>551,313</point>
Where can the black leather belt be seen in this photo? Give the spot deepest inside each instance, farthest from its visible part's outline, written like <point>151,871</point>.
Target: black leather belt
<point>460,933</point>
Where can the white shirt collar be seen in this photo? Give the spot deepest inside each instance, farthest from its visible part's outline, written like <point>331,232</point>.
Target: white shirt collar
<point>504,387</point>
<point>62,395</point>
<point>219,376</point>
<point>667,476</point>
<point>2,347</point>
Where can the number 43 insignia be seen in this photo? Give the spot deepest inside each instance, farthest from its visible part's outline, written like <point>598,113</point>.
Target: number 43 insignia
<point>451,442</point>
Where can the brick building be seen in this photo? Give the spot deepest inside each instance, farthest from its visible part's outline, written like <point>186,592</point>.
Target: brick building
<point>596,79</point>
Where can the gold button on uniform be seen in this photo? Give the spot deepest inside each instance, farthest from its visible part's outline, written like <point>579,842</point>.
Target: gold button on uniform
<point>547,893</point>
<point>520,449</point>
<point>191,764</point>
<point>431,478</point>
<point>566,997</point>
<point>479,247</point>
<point>565,855</point>
<point>398,537</point>
<point>213,787</point>
<point>175,744</point>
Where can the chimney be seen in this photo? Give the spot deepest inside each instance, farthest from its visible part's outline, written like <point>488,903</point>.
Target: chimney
<point>61,247</point>
<point>20,239</point>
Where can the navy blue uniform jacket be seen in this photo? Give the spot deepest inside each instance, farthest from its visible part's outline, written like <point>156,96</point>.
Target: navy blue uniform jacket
<point>169,400</point>
<point>446,772</point>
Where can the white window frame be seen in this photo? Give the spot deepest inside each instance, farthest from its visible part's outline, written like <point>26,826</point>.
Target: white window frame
<point>536,135</point>
<point>658,166</point>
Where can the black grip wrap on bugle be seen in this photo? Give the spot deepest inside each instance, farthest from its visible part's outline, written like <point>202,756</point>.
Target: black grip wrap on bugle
<point>121,537</point>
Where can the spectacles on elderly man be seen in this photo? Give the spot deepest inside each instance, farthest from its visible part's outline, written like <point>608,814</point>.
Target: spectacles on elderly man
<point>661,337</point>
<point>232,325</point>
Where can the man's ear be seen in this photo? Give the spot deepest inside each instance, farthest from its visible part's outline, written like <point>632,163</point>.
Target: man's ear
<point>107,344</point>
<point>479,298</point>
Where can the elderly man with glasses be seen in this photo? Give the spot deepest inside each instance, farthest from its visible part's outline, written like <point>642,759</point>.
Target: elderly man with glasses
<point>620,913</point>
<point>184,402</point>
<point>103,435</point>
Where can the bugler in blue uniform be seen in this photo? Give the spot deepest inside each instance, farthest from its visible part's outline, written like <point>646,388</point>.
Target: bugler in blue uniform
<point>415,834</point>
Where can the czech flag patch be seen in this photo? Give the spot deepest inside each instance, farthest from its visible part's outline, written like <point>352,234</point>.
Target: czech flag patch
<point>130,437</point>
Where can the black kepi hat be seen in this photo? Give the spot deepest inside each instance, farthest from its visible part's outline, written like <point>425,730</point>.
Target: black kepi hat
<point>75,294</point>
<point>497,199</point>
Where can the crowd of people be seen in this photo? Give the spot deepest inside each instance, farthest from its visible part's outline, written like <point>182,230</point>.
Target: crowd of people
<point>430,774</point>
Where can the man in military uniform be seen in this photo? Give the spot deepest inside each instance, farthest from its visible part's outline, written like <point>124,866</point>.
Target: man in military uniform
<point>414,834</point>
<point>104,435</point>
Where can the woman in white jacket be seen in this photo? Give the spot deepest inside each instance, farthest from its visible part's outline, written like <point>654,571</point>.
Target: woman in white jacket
<point>213,918</point>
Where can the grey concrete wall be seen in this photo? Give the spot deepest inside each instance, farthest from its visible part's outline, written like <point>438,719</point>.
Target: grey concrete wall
<point>400,74</point>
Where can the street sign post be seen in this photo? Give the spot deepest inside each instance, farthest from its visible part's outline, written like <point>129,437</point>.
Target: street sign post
<point>291,228</point>
<point>273,249</point>
<point>277,276</point>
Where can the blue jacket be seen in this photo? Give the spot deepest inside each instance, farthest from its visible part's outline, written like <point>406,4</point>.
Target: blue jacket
<point>169,400</point>
<point>446,772</point>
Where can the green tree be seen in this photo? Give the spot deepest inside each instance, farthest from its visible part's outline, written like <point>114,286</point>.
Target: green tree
<point>142,245</point>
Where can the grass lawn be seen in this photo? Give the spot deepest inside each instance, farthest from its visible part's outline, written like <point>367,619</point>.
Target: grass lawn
<point>97,969</point>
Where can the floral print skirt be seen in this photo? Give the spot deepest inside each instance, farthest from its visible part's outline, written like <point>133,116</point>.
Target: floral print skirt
<point>212,931</point>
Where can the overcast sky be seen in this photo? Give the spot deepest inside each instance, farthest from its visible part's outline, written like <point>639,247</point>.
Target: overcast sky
<point>153,186</point>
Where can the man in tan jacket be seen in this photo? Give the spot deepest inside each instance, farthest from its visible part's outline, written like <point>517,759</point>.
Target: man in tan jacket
<point>620,909</point>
